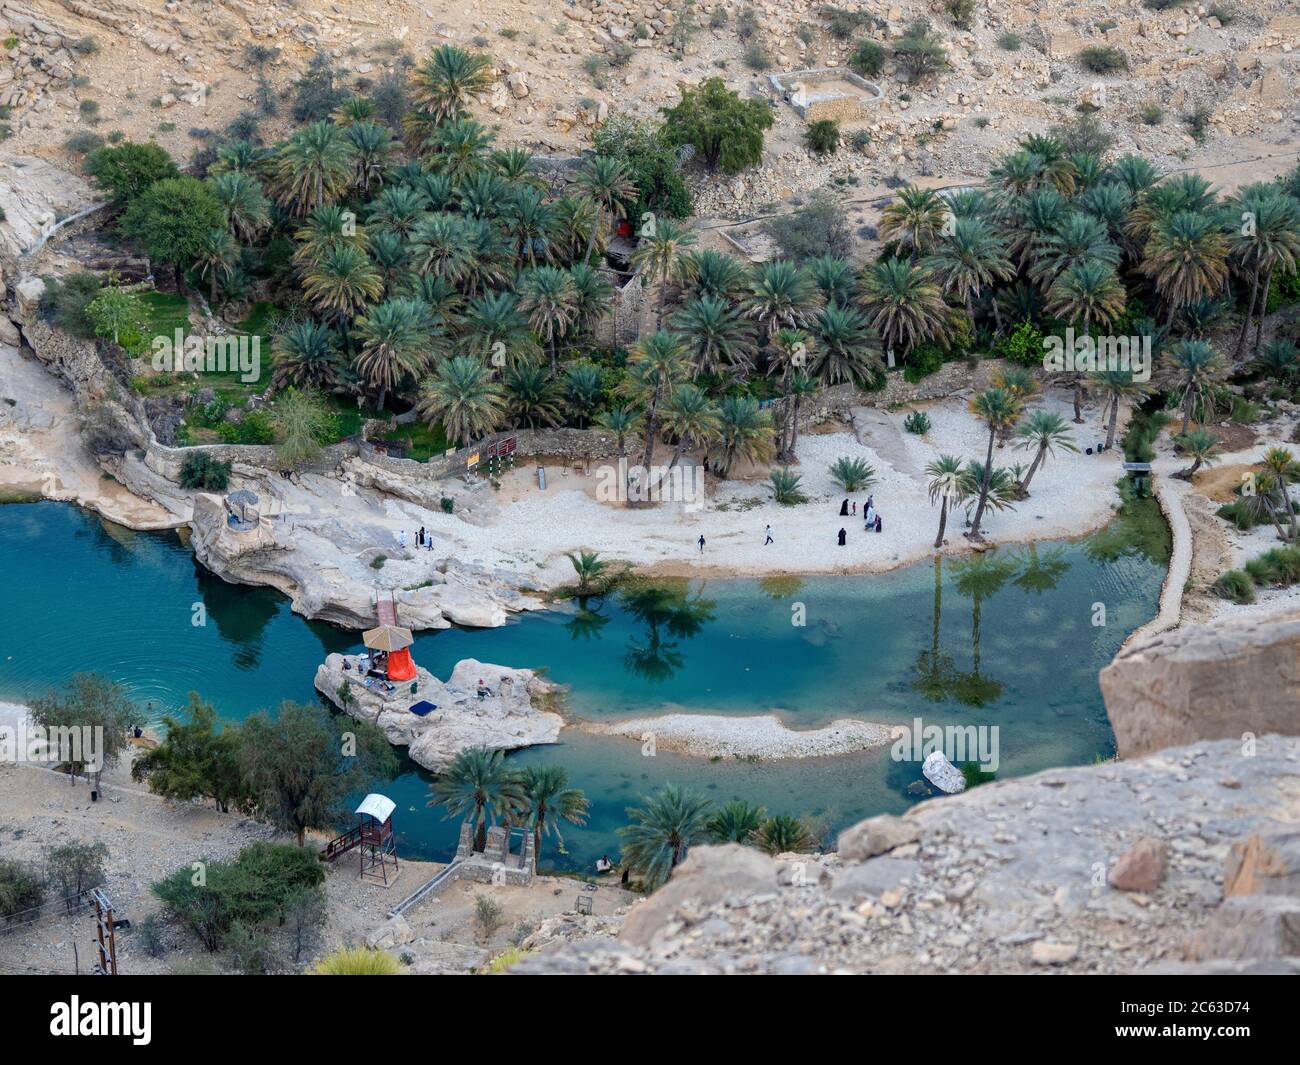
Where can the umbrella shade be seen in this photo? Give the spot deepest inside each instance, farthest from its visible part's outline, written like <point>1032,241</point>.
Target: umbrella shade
<point>387,638</point>
<point>243,496</point>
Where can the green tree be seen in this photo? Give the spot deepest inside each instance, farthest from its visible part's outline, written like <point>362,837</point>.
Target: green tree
<point>119,314</point>
<point>947,484</point>
<point>301,764</point>
<point>463,398</point>
<point>95,715</point>
<point>126,170</point>
<point>396,344</point>
<point>448,78</point>
<point>303,423</point>
<point>171,219</point>
<point>997,409</point>
<point>724,130</point>
<point>1201,446</point>
<point>197,759</point>
<point>1044,432</point>
<point>736,822</point>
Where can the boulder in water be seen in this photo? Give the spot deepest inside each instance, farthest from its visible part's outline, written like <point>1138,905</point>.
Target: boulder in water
<point>942,773</point>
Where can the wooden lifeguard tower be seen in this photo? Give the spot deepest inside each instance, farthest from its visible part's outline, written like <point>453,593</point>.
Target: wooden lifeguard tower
<point>374,836</point>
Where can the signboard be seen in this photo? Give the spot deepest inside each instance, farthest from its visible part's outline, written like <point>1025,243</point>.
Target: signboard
<point>473,459</point>
<point>1138,467</point>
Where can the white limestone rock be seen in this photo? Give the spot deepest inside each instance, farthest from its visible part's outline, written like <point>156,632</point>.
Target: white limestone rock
<point>942,773</point>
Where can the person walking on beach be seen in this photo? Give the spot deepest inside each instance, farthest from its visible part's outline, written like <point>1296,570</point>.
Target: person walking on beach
<point>401,538</point>
<point>869,514</point>
<point>701,543</point>
<point>843,534</point>
<point>844,509</point>
<point>769,536</point>
<point>879,524</point>
<point>854,509</point>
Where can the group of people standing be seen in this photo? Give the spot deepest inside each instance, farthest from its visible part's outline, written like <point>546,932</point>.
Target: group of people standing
<point>871,521</point>
<point>423,538</point>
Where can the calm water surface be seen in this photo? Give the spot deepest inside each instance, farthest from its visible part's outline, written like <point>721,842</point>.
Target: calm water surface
<point>1007,639</point>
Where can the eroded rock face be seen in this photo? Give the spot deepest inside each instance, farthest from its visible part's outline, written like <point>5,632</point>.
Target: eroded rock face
<point>1009,876</point>
<point>1206,682</point>
<point>511,715</point>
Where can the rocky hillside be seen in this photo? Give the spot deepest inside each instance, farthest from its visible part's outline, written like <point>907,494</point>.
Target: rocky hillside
<point>182,73</point>
<point>1184,860</point>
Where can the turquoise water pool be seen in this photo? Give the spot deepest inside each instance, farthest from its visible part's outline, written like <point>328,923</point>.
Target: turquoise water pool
<point>1007,639</point>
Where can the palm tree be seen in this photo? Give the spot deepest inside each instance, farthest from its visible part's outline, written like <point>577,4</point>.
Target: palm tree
<point>328,226</point>
<point>797,386</point>
<point>834,278</point>
<point>575,221</point>
<point>1044,431</point>
<point>663,829</point>
<point>853,474</point>
<point>463,398</point>
<point>690,416</point>
<point>661,258</point>
<point>969,259</point>
<point>658,361</point>
<point>593,572</point>
<point>781,296</point>
<point>903,303</point>
<point>216,259</point>
<point>342,282</point>
<point>478,788</point>
<point>304,355</point>
<point>622,422</point>
<point>1202,447</point>
<point>528,221</point>
<point>246,208</point>
<point>548,297</point>
<point>582,390</point>
<point>459,150</point>
<point>388,251</point>
<point>997,409</point>
<point>314,167</point>
<point>844,346</point>
<point>548,800</point>
<point>1281,469</point>
<point>593,297</point>
<point>1186,258</point>
<point>1197,368</point>
<point>1268,238</point>
<point>717,337</point>
<point>395,345</point>
<point>736,822</point>
<point>947,484</point>
<point>1087,291</point>
<point>353,109</point>
<point>744,432</point>
<point>1077,238</point>
<point>1116,386</point>
<point>608,182</point>
<point>397,208</point>
<point>439,245</point>
<point>448,78</point>
<point>535,397</point>
<point>915,220</point>
<point>1278,359</point>
<point>716,274</point>
<point>373,148</point>
<point>783,834</point>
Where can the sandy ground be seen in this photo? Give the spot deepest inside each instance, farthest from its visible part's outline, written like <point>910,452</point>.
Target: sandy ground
<point>41,453</point>
<point>1072,494</point>
<point>148,838</point>
<point>758,736</point>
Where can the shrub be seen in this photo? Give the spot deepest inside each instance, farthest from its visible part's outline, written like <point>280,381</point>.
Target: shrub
<point>724,130</point>
<point>860,139</point>
<point>89,111</point>
<point>757,56</point>
<point>1103,59</point>
<point>358,961</point>
<point>816,228</point>
<point>868,59</point>
<point>1009,42</point>
<point>447,503</point>
<point>75,867</point>
<point>785,488</point>
<point>823,136</point>
<point>1163,5</point>
<point>319,91</point>
<point>922,361</point>
<point>20,889</point>
<point>843,24</point>
<point>66,301</point>
<point>200,470</point>
<point>1151,113</point>
<point>960,11</point>
<point>502,962</point>
<point>652,161</point>
<point>150,934</point>
<point>83,143</point>
<point>917,422</point>
<point>487,914</point>
<point>852,474</point>
<point>1235,585</point>
<point>1198,122</point>
<point>919,53</point>
<point>1023,345</point>
<point>746,23</point>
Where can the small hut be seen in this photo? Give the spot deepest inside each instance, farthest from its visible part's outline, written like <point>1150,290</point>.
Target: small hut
<point>391,645</point>
<point>373,834</point>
